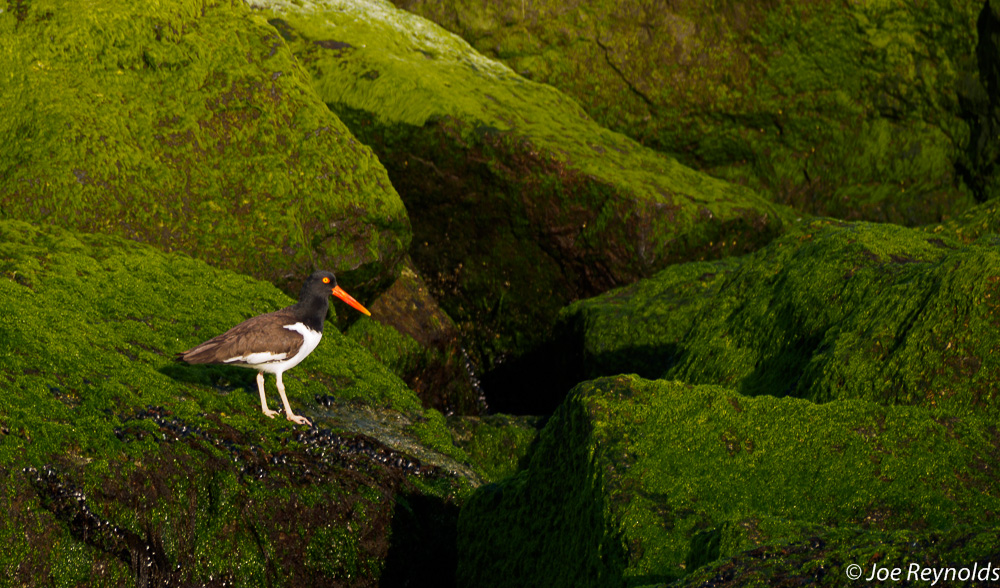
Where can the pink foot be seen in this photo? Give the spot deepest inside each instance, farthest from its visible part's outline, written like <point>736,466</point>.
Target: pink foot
<point>299,420</point>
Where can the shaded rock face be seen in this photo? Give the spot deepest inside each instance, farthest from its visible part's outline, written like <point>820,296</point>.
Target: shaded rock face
<point>420,343</point>
<point>519,201</point>
<point>980,100</point>
<point>123,467</point>
<point>842,109</point>
<point>635,482</point>
<point>829,311</point>
<point>189,126</point>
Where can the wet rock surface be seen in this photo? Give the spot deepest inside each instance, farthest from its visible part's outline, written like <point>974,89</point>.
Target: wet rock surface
<point>419,341</point>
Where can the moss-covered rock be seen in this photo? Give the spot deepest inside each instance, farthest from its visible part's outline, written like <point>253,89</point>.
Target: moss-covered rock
<point>118,463</point>
<point>845,109</point>
<point>420,343</point>
<point>831,310</point>
<point>519,201</point>
<point>637,481</point>
<point>191,126</point>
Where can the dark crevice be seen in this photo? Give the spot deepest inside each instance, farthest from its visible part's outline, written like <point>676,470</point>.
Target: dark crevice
<point>423,543</point>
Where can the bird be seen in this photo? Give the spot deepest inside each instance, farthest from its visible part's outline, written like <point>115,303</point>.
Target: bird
<point>277,341</point>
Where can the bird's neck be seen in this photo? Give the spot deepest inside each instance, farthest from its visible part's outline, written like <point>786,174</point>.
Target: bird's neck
<point>311,311</point>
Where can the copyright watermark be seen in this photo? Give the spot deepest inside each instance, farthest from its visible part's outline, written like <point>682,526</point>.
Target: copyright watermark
<point>916,572</point>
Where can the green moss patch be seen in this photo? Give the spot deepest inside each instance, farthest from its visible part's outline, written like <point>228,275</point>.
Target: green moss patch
<point>519,201</point>
<point>832,310</point>
<point>637,481</point>
<point>190,126</point>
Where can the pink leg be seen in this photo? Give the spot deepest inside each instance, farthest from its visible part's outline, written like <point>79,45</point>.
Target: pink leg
<point>288,409</point>
<point>263,399</point>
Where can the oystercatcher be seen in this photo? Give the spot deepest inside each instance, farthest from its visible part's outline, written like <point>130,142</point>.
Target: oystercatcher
<point>276,341</point>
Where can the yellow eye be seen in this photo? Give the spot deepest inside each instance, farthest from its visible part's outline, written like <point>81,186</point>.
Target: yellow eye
<point>326,280</point>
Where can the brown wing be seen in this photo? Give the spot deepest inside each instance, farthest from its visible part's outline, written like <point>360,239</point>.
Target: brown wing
<point>259,335</point>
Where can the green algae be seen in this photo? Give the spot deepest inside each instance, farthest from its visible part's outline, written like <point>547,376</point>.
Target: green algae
<point>631,478</point>
<point>190,126</point>
<point>831,310</point>
<point>397,351</point>
<point>855,110</point>
<point>497,444</point>
<point>127,452</point>
<point>519,201</point>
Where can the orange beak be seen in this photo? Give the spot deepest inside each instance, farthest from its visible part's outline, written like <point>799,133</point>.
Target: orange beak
<point>339,293</point>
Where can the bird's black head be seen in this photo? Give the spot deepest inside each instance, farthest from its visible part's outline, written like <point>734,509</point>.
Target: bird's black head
<point>324,283</point>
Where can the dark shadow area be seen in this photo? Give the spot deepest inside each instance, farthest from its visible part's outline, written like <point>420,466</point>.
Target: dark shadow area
<point>979,102</point>
<point>422,543</point>
<point>647,361</point>
<point>538,381</point>
<point>705,548</point>
<point>780,374</point>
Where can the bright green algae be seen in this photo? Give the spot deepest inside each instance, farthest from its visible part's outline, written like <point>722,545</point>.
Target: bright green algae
<point>520,202</point>
<point>180,456</point>
<point>831,310</point>
<point>188,125</point>
<point>856,110</point>
<point>631,478</point>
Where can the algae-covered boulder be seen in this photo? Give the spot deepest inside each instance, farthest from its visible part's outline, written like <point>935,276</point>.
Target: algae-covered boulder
<point>831,310</point>
<point>638,481</point>
<point>519,201</point>
<point>121,466</point>
<point>849,109</point>
<point>188,125</point>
